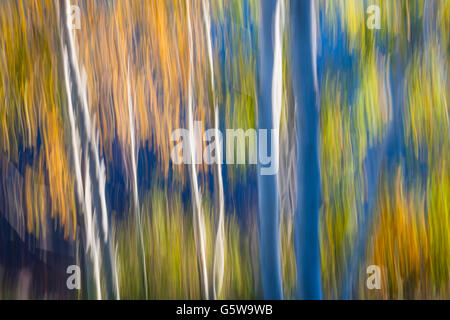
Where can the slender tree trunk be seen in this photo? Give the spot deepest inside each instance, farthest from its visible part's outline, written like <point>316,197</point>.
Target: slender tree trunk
<point>93,194</point>
<point>90,245</point>
<point>308,163</point>
<point>268,119</point>
<point>136,207</point>
<point>219,248</point>
<point>86,230</point>
<point>199,220</point>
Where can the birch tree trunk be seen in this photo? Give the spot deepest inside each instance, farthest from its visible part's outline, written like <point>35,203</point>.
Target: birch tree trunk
<point>91,195</point>
<point>199,220</point>
<point>136,207</point>
<point>269,104</point>
<point>219,248</point>
<point>306,234</point>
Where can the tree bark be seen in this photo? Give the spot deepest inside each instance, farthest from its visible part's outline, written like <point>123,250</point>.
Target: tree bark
<point>306,93</point>
<point>92,194</point>
<point>268,205</point>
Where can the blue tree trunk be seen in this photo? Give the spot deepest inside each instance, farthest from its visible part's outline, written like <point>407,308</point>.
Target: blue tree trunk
<point>306,233</point>
<point>268,207</point>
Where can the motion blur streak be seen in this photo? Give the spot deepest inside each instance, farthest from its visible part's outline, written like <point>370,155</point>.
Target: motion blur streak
<point>358,98</point>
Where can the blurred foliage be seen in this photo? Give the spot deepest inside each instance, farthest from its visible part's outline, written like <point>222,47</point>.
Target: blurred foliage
<point>365,76</point>
<point>32,111</point>
<point>171,258</point>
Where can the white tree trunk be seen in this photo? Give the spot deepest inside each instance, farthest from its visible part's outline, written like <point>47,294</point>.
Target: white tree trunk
<point>199,220</point>
<point>85,146</point>
<point>219,251</point>
<point>137,211</point>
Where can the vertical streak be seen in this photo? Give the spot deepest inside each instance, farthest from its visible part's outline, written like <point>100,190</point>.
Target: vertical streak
<point>219,253</point>
<point>277,77</point>
<point>198,215</point>
<point>303,57</point>
<point>137,210</point>
<point>269,102</point>
<point>89,145</point>
<point>93,243</point>
<point>89,236</point>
